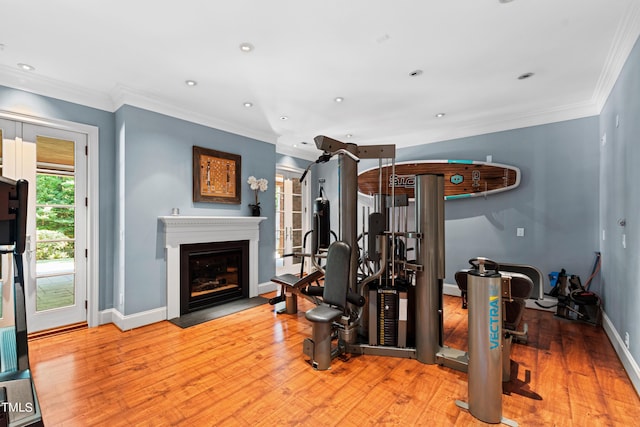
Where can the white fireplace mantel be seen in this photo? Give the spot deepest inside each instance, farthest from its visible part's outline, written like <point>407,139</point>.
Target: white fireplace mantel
<point>181,230</point>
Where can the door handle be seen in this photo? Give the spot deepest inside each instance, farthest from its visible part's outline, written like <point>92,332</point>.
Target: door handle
<point>30,243</point>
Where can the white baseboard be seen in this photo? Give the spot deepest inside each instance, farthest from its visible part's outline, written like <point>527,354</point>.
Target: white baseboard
<point>131,321</point>
<point>263,288</point>
<point>449,289</point>
<point>106,316</point>
<point>548,304</point>
<point>628,362</point>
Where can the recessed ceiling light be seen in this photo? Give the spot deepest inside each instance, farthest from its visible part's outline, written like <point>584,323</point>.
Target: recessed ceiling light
<point>248,104</point>
<point>415,73</point>
<point>440,115</point>
<point>284,118</point>
<point>295,145</point>
<point>190,82</point>
<point>26,67</point>
<point>246,47</point>
<point>525,76</point>
<point>349,135</point>
<point>339,99</point>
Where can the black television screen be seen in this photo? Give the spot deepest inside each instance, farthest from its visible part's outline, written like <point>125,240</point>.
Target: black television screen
<point>13,213</point>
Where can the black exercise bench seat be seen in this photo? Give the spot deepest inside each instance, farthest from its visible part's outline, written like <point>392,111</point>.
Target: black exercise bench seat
<point>296,282</point>
<point>292,285</point>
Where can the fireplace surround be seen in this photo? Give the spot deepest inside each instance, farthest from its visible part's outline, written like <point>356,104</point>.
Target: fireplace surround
<point>182,230</point>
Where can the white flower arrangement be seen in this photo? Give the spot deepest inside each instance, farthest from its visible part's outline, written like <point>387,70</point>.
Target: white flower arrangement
<point>257,185</point>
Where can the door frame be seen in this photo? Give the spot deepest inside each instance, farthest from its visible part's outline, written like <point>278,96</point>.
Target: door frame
<point>93,205</point>
<point>306,203</point>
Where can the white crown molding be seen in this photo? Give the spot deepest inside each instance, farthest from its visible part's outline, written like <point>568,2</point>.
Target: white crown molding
<point>498,123</point>
<point>123,95</point>
<point>531,118</point>
<point>30,81</point>
<point>287,150</point>
<point>624,40</point>
<point>119,96</point>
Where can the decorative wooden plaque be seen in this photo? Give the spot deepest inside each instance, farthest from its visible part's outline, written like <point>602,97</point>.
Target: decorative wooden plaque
<point>216,176</point>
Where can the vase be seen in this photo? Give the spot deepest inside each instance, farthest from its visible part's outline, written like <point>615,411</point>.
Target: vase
<point>255,210</point>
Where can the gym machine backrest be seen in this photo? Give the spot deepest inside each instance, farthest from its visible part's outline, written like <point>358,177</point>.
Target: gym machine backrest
<point>334,296</point>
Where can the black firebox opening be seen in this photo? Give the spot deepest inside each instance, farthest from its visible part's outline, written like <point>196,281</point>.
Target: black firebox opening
<point>213,274</point>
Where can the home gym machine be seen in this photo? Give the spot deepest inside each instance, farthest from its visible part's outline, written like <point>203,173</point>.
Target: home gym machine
<point>401,309</point>
<point>292,286</point>
<point>402,316</point>
<point>18,400</point>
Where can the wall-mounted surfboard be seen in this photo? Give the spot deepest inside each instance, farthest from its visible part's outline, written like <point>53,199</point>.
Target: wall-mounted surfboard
<point>462,178</point>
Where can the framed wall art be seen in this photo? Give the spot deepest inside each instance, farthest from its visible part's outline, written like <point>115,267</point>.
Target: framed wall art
<point>216,176</point>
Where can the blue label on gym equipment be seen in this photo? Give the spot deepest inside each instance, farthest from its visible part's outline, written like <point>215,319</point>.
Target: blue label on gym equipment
<point>457,179</point>
<point>494,336</point>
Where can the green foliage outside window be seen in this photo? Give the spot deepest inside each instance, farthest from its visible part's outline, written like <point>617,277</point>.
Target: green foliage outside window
<point>55,216</point>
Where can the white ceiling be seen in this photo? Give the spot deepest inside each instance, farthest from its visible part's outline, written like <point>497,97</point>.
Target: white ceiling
<point>306,53</point>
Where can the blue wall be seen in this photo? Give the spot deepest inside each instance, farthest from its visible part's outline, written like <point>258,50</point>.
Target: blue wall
<point>158,177</point>
<point>620,199</point>
<point>17,101</point>
<point>556,202</point>
<point>145,170</point>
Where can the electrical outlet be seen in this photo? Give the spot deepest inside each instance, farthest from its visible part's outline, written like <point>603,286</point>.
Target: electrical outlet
<point>520,232</point>
<point>603,235</point>
<point>626,339</point>
<point>489,158</point>
<point>624,241</point>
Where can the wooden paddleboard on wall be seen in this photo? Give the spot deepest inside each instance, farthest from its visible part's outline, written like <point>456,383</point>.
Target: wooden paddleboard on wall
<point>462,178</point>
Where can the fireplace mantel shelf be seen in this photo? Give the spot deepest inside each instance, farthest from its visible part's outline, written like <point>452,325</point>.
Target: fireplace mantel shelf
<point>184,229</point>
<point>176,220</point>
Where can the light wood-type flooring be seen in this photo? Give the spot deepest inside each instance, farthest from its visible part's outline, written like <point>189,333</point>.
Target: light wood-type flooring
<point>248,369</point>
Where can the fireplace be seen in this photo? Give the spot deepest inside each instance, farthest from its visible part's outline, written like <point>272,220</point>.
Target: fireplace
<point>181,230</point>
<point>212,274</point>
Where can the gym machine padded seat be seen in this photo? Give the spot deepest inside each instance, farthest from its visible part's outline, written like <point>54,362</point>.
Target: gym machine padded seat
<point>334,297</point>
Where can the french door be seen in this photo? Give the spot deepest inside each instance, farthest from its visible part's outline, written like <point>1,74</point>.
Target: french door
<point>291,220</point>
<point>54,163</point>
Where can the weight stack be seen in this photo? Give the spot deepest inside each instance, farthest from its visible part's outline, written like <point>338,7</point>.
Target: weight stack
<point>388,307</point>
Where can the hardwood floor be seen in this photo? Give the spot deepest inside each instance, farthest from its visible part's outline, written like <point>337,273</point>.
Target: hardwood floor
<point>248,369</point>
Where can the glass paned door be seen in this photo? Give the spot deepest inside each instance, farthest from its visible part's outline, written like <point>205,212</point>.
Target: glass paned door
<point>290,222</point>
<point>55,223</point>
<point>54,163</point>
